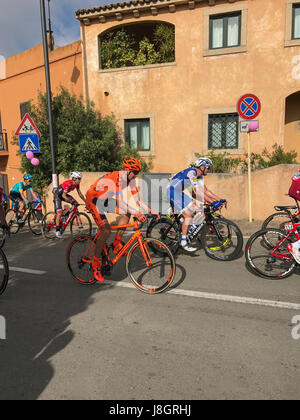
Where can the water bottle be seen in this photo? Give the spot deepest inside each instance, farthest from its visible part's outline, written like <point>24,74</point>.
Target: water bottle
<point>193,227</point>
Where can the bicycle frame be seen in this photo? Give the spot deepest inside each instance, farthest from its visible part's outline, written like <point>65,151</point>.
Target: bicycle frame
<point>73,213</point>
<point>136,236</point>
<point>292,231</point>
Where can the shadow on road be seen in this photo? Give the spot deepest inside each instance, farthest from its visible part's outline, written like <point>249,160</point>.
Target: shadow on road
<point>37,310</point>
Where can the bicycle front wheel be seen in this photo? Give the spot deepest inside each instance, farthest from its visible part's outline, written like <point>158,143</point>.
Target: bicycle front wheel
<point>4,272</point>
<point>11,220</point>
<point>35,222</point>
<point>269,261</point>
<point>80,253</point>
<point>49,225</point>
<point>222,240</point>
<point>81,224</point>
<point>150,271</point>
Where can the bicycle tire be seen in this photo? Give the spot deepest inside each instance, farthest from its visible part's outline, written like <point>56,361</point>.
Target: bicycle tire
<point>216,242</point>
<point>48,225</point>
<point>2,237</point>
<point>4,272</point>
<point>79,269</point>
<point>34,224</point>
<point>166,231</point>
<point>256,244</point>
<point>86,227</point>
<point>161,272</point>
<point>11,220</point>
<point>281,224</point>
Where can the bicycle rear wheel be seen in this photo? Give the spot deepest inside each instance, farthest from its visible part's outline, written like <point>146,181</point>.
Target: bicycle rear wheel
<point>35,222</point>
<point>2,237</point>
<point>79,257</point>
<point>222,240</point>
<point>265,260</point>
<point>49,225</point>
<point>11,220</point>
<point>155,275</point>
<point>166,231</point>
<point>4,272</point>
<point>81,224</point>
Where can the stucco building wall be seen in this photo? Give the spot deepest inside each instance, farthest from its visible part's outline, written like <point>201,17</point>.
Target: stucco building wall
<point>179,96</point>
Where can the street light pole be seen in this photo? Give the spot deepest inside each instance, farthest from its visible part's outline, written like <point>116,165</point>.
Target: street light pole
<point>49,96</point>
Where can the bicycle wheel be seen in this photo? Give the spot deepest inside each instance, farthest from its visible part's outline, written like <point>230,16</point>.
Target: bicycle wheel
<point>11,220</point>
<point>35,222</point>
<point>81,224</point>
<point>221,239</point>
<point>79,257</point>
<point>150,271</point>
<point>167,232</point>
<point>267,261</point>
<point>4,272</point>
<point>280,221</point>
<point>49,225</point>
<point>2,237</point>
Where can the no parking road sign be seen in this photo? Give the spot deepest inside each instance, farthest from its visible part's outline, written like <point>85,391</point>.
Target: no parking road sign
<point>248,106</point>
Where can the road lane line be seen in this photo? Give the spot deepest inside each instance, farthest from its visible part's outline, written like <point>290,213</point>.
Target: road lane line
<point>27,270</point>
<point>220,297</point>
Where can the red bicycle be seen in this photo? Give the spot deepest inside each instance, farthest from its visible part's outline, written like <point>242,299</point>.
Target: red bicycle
<point>79,222</point>
<point>266,250</point>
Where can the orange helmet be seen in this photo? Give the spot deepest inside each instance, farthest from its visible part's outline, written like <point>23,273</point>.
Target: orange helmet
<point>131,164</point>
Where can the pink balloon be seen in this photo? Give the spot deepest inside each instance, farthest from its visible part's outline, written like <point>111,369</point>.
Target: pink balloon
<point>253,125</point>
<point>35,162</point>
<point>29,155</point>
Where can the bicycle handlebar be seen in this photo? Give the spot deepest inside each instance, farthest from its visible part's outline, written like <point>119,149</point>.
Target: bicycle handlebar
<point>141,224</point>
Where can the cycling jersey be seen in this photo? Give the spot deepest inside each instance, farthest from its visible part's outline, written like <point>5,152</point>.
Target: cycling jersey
<point>186,178</point>
<point>67,187</point>
<point>104,195</point>
<point>178,184</point>
<point>20,186</point>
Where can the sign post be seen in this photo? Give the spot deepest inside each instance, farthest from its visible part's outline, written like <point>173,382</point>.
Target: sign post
<point>248,108</point>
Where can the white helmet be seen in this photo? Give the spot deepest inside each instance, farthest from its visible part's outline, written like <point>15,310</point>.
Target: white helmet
<point>202,161</point>
<point>76,175</point>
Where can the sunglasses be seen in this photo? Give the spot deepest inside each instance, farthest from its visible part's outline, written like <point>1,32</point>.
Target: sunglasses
<point>135,172</point>
<point>28,180</point>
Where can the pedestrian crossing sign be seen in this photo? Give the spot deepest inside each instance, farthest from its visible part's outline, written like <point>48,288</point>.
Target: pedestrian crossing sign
<point>29,142</point>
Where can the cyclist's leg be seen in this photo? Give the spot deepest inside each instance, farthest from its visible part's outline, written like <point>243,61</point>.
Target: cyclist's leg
<point>58,211</point>
<point>16,197</point>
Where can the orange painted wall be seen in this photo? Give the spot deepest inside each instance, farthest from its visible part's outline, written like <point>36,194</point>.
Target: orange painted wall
<point>178,95</point>
<point>25,76</point>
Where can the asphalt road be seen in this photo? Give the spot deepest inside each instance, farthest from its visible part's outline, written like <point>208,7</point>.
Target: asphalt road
<point>216,335</point>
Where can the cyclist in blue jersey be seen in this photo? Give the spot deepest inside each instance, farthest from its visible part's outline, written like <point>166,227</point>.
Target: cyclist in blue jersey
<point>18,195</point>
<point>191,178</point>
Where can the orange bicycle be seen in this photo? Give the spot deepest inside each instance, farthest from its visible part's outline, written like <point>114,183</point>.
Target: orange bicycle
<point>150,264</point>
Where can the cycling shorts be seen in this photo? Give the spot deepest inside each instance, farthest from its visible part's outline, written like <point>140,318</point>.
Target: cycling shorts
<point>58,198</point>
<point>15,196</point>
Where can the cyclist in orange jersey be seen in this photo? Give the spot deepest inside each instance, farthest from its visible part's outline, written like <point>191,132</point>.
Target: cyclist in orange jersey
<point>106,196</point>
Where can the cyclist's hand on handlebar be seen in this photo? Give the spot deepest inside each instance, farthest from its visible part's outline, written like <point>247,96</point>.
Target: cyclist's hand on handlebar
<point>141,217</point>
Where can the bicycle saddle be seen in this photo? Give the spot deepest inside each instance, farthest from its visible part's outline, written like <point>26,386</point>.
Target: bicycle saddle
<point>278,208</point>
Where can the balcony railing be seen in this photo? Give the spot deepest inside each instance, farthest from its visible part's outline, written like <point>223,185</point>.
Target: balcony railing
<point>3,142</point>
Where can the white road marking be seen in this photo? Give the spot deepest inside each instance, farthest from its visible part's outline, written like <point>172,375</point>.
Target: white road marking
<point>27,270</point>
<point>219,297</point>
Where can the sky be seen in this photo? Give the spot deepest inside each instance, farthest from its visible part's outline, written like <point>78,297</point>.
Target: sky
<point>20,23</point>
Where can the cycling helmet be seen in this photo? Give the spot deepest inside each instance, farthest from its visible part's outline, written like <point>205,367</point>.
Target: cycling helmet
<point>202,161</point>
<point>76,175</point>
<point>132,164</point>
<point>27,176</point>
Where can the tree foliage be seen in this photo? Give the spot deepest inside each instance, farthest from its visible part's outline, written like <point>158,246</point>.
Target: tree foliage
<point>124,47</point>
<point>83,140</point>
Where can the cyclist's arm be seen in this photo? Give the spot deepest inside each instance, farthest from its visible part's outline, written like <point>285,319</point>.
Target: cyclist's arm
<point>209,196</point>
<point>66,198</point>
<point>81,195</point>
<point>34,195</point>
